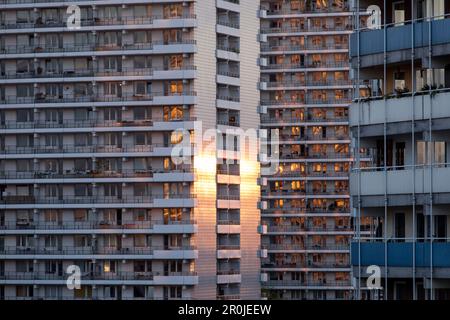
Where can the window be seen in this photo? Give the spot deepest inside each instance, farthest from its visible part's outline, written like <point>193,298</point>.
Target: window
<point>173,113</point>
<point>139,291</point>
<point>24,90</point>
<point>109,266</point>
<point>142,266</point>
<point>142,62</point>
<point>173,11</point>
<point>112,89</point>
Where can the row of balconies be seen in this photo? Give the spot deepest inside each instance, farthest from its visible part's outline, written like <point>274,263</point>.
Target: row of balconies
<point>303,138</point>
<point>287,100</point>
<point>304,65</point>
<point>92,49</point>
<point>295,83</point>
<point>304,264</point>
<point>91,225</point>
<point>81,251</point>
<point>90,174</point>
<point>287,154</point>
<point>73,123</point>
<point>84,149</point>
<point>310,173</point>
<point>303,229</point>
<point>289,47</point>
<point>129,21</point>
<point>308,284</point>
<point>287,8</point>
<point>310,247</point>
<point>296,121</point>
<point>117,276</point>
<point>76,75</point>
<point>43,98</point>
<point>288,28</point>
<point>70,199</point>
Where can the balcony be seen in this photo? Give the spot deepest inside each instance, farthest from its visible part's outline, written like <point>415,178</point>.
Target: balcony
<point>122,22</point>
<point>306,230</point>
<point>154,252</point>
<point>272,102</point>
<point>324,28</point>
<point>291,47</point>
<point>297,84</point>
<point>78,151</point>
<point>88,227</point>
<point>70,201</point>
<point>37,126</point>
<point>399,181</point>
<point>87,75</point>
<point>155,47</point>
<point>394,111</point>
<point>298,284</point>
<point>305,248</point>
<point>40,99</point>
<point>71,176</point>
<point>399,38</point>
<point>120,278</point>
<point>400,254</point>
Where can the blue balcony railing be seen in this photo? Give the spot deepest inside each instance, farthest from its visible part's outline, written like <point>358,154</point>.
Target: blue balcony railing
<point>400,254</point>
<point>399,37</point>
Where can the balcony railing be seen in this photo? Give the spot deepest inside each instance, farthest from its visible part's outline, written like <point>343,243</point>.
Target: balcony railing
<point>80,73</point>
<point>299,283</point>
<point>83,149</point>
<point>306,28</point>
<point>271,119</point>
<point>42,98</point>
<point>89,174</point>
<point>72,123</point>
<point>91,225</point>
<point>70,199</point>
<point>116,21</point>
<point>121,276</point>
<point>288,47</point>
<point>308,82</point>
<point>286,101</point>
<point>90,251</point>
<point>306,247</point>
<point>308,228</point>
<point>89,48</point>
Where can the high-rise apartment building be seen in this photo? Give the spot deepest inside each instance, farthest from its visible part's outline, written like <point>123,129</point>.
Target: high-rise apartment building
<point>400,118</point>
<point>305,94</point>
<point>90,114</point>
